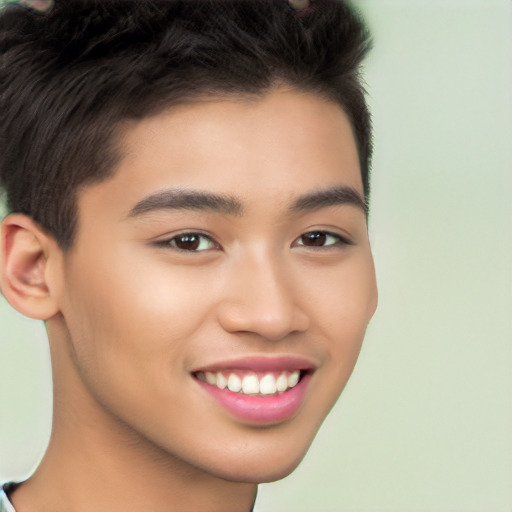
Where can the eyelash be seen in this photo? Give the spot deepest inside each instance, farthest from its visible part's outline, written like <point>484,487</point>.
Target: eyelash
<point>197,239</point>
<point>314,235</point>
<point>171,242</point>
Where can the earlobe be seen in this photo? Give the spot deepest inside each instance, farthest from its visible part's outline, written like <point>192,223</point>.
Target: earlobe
<point>24,258</point>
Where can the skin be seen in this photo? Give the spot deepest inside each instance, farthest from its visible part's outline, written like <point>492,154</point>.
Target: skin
<point>130,316</point>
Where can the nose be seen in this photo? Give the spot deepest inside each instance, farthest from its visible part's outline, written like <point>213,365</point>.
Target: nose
<point>261,298</point>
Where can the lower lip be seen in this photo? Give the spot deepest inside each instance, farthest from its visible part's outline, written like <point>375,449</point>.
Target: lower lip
<point>260,409</point>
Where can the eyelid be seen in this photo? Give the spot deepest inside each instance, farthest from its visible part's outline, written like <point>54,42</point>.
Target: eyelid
<point>166,242</point>
<point>342,240</point>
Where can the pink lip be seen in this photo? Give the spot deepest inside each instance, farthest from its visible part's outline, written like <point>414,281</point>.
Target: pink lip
<point>261,364</point>
<point>260,409</point>
<point>263,410</point>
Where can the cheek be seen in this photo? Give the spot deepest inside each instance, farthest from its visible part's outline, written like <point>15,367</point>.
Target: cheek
<point>129,319</point>
<point>344,299</point>
<point>135,298</point>
<point>131,333</point>
<point>343,304</point>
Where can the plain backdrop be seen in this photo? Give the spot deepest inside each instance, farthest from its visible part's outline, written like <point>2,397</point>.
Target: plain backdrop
<point>425,423</point>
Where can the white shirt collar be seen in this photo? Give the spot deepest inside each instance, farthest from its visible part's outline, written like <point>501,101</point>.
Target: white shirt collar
<point>5,504</point>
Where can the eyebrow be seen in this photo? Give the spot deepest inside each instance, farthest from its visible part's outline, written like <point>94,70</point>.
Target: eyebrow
<point>180,199</point>
<point>334,196</point>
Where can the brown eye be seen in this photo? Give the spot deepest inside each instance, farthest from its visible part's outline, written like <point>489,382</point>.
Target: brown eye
<point>315,239</point>
<point>321,239</point>
<point>187,242</point>
<point>191,242</point>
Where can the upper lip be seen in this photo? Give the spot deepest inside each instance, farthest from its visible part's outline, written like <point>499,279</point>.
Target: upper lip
<point>261,364</point>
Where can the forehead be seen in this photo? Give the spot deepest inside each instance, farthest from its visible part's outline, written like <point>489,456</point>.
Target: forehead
<point>272,148</point>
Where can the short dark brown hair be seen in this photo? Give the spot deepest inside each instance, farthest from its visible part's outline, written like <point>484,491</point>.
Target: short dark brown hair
<point>70,77</point>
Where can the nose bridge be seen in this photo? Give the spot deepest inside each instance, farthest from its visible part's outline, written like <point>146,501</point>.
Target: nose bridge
<point>262,297</point>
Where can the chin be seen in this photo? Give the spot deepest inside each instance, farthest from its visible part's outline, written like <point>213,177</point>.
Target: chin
<point>264,468</point>
<point>259,475</point>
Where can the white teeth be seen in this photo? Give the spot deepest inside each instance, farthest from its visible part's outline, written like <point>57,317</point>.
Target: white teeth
<point>221,381</point>
<point>211,378</point>
<point>234,383</point>
<point>251,385</point>
<point>293,379</point>
<point>282,383</point>
<point>268,385</point>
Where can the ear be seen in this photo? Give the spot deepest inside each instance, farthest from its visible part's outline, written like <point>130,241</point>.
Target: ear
<point>26,253</point>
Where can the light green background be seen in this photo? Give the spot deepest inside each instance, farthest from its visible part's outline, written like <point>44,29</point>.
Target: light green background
<point>425,423</point>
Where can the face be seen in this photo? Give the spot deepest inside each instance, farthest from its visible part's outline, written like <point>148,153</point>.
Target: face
<point>220,284</point>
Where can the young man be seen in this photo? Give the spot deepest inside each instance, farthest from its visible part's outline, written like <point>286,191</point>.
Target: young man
<point>188,185</point>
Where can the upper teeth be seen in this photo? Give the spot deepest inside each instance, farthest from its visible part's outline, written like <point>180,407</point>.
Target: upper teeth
<point>252,383</point>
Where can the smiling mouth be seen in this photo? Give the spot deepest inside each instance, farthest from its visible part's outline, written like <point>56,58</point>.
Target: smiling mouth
<point>252,383</point>
<point>258,390</point>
